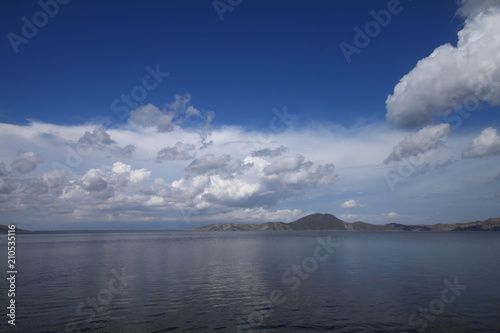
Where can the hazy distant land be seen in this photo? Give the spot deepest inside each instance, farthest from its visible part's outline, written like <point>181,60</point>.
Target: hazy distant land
<point>320,222</point>
<point>331,222</point>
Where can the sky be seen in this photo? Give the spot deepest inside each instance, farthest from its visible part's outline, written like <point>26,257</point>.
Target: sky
<point>176,114</point>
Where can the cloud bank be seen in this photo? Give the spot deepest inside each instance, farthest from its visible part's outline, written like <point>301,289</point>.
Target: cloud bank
<point>66,174</point>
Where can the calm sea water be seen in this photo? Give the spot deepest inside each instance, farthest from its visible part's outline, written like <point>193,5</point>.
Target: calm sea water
<point>257,282</point>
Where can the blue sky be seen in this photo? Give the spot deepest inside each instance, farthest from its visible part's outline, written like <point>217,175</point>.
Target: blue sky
<point>207,142</point>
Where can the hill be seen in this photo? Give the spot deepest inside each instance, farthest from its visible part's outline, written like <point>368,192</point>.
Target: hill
<point>5,229</point>
<point>331,222</point>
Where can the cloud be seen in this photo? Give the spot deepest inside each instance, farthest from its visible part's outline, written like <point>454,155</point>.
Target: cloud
<point>428,138</point>
<point>452,76</point>
<point>391,215</point>
<point>221,186</point>
<point>207,163</point>
<point>134,176</point>
<point>351,204</point>
<point>179,152</point>
<point>3,169</point>
<point>474,7</point>
<point>55,178</point>
<point>268,152</point>
<point>97,138</point>
<point>487,143</point>
<point>177,113</point>
<point>181,106</point>
<point>93,180</point>
<point>285,164</point>
<point>8,185</point>
<point>27,162</point>
<point>101,140</point>
<point>151,116</point>
<point>123,152</point>
<point>222,182</point>
<point>228,182</point>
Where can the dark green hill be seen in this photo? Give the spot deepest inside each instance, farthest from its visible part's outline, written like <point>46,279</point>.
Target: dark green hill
<point>318,222</point>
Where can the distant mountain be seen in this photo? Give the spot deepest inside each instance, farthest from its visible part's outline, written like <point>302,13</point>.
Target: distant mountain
<point>319,222</point>
<point>5,229</point>
<point>331,222</point>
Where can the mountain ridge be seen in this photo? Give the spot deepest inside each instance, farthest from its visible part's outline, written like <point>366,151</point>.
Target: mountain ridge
<point>320,221</point>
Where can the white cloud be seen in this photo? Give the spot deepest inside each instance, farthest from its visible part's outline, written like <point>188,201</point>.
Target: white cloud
<point>134,176</point>
<point>351,204</point>
<point>391,215</point>
<point>120,167</point>
<point>150,116</point>
<point>452,76</point>
<point>428,138</point>
<point>487,143</point>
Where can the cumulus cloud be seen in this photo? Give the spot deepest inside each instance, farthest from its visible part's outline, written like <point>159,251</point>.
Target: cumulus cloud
<point>134,176</point>
<point>150,116</point>
<point>269,152</point>
<point>93,180</point>
<point>181,151</point>
<point>285,164</point>
<point>351,204</point>
<point>27,162</point>
<point>181,106</point>
<point>453,76</point>
<point>123,152</point>
<point>176,113</point>
<point>256,182</point>
<point>220,186</point>
<point>487,143</point>
<point>55,178</point>
<point>97,138</point>
<point>428,138</point>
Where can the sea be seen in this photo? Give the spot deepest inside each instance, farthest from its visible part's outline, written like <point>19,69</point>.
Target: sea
<point>265,281</point>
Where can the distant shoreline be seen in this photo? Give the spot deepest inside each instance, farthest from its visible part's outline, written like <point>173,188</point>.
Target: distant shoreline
<point>328,222</point>
<point>313,222</point>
